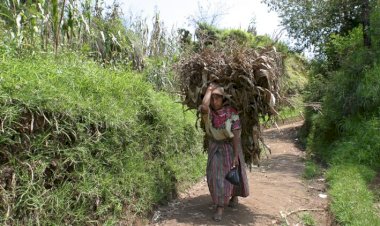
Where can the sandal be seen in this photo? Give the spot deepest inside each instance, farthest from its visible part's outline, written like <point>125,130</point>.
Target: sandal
<point>234,201</point>
<point>218,215</point>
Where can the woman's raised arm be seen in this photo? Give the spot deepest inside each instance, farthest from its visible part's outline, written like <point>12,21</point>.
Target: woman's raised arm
<point>205,106</point>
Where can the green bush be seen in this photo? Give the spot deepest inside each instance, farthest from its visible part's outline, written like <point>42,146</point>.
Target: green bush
<point>350,93</point>
<point>295,79</point>
<point>345,134</point>
<point>340,47</point>
<point>158,72</point>
<point>368,92</point>
<point>239,36</point>
<point>80,144</point>
<point>359,143</point>
<point>349,135</point>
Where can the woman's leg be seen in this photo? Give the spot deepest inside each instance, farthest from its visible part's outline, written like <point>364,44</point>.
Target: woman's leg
<point>218,213</point>
<point>217,167</point>
<point>234,201</point>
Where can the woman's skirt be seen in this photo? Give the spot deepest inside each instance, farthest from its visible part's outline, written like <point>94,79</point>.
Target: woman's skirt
<point>219,163</point>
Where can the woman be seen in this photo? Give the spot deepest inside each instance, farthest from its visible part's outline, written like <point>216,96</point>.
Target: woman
<point>222,126</point>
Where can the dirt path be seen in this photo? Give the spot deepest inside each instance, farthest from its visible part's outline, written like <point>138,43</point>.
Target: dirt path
<point>276,187</point>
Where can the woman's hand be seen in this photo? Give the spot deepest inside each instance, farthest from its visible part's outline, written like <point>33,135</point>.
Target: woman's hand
<point>211,87</point>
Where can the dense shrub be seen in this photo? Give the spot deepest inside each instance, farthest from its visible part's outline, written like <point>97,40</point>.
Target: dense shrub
<point>345,133</point>
<point>84,145</point>
<point>350,101</point>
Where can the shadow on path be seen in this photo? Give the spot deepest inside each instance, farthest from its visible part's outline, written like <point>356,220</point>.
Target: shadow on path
<point>288,164</point>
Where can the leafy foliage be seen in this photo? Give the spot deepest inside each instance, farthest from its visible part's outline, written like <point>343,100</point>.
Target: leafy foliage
<point>345,131</point>
<point>345,80</point>
<point>359,143</point>
<point>87,26</point>
<point>339,47</point>
<point>312,22</point>
<point>82,144</point>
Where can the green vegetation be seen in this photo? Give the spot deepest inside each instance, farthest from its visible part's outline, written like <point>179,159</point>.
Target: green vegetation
<point>311,23</point>
<point>352,202</point>
<point>312,170</point>
<point>86,145</point>
<point>293,86</point>
<point>308,220</point>
<point>344,133</point>
<point>296,77</point>
<point>86,142</point>
<point>341,130</point>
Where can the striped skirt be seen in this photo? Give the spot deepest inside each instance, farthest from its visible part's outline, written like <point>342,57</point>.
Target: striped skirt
<point>219,163</point>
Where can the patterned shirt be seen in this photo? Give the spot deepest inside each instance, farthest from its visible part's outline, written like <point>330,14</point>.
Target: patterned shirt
<point>220,124</point>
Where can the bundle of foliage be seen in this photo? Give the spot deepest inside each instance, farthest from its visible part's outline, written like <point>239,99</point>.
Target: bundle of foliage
<point>249,76</point>
<point>82,145</point>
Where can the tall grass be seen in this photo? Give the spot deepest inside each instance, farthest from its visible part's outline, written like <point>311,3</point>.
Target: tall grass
<point>352,202</point>
<point>293,85</point>
<point>346,135</point>
<point>80,144</point>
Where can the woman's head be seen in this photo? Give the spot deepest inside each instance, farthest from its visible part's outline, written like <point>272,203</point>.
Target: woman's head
<point>217,98</point>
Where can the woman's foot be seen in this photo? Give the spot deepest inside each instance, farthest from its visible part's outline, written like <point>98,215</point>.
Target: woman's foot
<point>218,214</point>
<point>234,201</point>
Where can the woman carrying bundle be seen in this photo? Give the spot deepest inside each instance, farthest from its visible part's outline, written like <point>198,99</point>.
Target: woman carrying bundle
<point>222,125</point>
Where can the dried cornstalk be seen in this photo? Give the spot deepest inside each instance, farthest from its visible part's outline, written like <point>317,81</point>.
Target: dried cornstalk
<point>249,76</point>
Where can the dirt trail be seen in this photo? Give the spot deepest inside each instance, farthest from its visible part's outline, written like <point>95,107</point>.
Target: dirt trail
<point>276,187</point>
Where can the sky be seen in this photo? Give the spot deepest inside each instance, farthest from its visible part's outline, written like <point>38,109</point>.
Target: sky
<point>239,13</point>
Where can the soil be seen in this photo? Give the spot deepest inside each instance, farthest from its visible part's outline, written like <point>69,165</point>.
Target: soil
<point>278,193</point>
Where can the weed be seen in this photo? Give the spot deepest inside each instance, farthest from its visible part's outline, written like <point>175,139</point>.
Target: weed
<point>307,219</point>
<point>312,170</point>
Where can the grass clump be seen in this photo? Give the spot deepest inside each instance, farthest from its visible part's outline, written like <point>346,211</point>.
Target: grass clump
<point>80,144</point>
<point>352,202</point>
<point>308,220</point>
<point>312,170</point>
<point>353,158</point>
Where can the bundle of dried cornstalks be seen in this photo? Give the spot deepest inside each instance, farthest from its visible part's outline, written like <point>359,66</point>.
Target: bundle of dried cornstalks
<point>250,78</point>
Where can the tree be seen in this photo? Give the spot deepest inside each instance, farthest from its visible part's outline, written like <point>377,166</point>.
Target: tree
<point>206,35</point>
<point>184,37</point>
<point>366,23</point>
<point>311,22</point>
<point>252,27</point>
<point>208,14</point>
